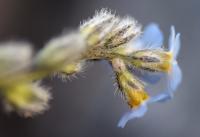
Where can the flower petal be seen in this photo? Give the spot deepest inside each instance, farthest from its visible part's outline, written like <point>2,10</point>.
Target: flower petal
<point>152,38</point>
<point>174,42</point>
<point>175,77</point>
<point>171,38</point>
<point>134,113</point>
<point>160,98</point>
<point>146,76</point>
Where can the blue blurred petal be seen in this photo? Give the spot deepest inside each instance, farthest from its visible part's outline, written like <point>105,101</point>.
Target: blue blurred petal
<point>175,77</point>
<point>146,76</point>
<point>172,38</point>
<point>177,46</point>
<point>160,98</point>
<point>173,80</point>
<point>174,42</point>
<point>135,113</point>
<point>152,36</point>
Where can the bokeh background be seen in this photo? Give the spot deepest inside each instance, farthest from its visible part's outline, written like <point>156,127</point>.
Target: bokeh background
<point>86,106</point>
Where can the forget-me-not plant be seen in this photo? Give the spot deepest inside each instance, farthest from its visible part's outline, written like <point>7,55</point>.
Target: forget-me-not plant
<point>138,59</point>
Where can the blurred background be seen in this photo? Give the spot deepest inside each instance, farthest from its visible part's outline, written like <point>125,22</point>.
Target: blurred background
<point>86,106</point>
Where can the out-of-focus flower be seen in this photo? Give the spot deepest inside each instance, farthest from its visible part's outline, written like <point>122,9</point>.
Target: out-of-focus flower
<point>14,59</point>
<point>16,86</point>
<point>27,99</point>
<point>60,51</point>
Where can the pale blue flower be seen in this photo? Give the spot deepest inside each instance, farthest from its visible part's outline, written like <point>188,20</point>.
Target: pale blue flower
<point>152,38</point>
